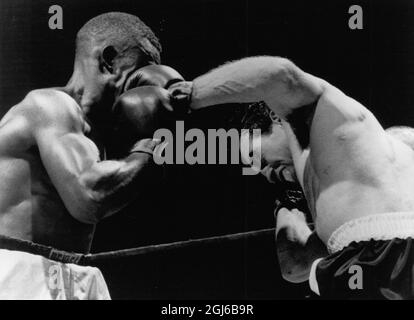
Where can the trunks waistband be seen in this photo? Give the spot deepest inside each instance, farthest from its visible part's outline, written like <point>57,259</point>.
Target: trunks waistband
<point>41,250</point>
<point>382,226</point>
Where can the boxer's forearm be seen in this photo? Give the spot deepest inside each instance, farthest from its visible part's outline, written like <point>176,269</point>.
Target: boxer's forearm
<point>114,184</point>
<point>242,81</point>
<point>295,259</point>
<point>277,81</point>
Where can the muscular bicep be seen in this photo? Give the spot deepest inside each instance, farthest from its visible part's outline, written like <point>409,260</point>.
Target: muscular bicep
<point>343,135</point>
<point>89,188</point>
<point>66,156</point>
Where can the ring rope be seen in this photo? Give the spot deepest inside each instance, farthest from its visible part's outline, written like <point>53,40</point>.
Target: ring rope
<point>177,245</point>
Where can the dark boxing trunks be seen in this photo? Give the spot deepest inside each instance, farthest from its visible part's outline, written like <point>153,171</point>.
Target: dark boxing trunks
<point>371,258</point>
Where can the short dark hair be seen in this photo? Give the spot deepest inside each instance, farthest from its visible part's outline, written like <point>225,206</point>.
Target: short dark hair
<point>121,30</point>
<point>258,116</point>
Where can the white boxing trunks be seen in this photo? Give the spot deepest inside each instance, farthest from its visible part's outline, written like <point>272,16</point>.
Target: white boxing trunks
<point>31,271</point>
<point>26,276</point>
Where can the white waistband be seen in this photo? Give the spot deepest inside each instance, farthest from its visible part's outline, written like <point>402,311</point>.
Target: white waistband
<point>383,226</point>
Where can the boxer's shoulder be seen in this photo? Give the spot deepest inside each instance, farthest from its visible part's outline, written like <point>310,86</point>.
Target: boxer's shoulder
<point>51,107</point>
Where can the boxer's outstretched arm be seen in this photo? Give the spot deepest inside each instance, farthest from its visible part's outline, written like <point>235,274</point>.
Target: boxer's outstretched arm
<point>277,81</point>
<point>90,189</point>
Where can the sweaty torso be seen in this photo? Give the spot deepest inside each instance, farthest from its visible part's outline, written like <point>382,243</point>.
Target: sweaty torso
<point>30,206</point>
<point>353,168</point>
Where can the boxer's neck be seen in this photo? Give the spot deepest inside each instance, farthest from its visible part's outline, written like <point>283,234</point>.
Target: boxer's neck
<point>77,89</point>
<point>76,86</point>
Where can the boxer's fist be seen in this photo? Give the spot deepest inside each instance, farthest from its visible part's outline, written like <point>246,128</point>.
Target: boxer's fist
<point>138,113</point>
<point>181,94</point>
<point>153,75</point>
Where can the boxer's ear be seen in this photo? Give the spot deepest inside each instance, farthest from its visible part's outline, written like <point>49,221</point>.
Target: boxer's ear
<point>108,58</point>
<point>150,51</point>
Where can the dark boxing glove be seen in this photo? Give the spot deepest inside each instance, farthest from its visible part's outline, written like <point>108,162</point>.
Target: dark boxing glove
<point>138,114</point>
<point>160,76</point>
<point>291,197</point>
<point>145,106</point>
<point>153,75</point>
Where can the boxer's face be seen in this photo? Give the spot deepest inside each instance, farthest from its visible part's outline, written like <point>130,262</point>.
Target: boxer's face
<point>105,75</point>
<point>121,64</point>
<point>274,153</point>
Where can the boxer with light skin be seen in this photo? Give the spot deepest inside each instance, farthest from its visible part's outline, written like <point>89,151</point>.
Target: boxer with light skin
<point>55,181</point>
<point>357,177</point>
<point>273,154</point>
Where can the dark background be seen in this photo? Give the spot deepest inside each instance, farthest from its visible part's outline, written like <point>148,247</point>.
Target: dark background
<point>373,65</point>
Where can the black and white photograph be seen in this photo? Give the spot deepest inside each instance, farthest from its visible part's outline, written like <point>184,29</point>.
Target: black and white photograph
<point>206,154</point>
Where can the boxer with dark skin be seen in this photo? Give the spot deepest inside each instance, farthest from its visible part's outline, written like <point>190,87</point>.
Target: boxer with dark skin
<point>55,184</point>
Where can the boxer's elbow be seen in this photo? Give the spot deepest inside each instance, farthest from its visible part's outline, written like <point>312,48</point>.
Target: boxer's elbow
<point>85,208</point>
<point>97,204</point>
<point>294,271</point>
<point>89,199</point>
<point>109,187</point>
<point>293,276</point>
<point>93,206</point>
<point>281,84</point>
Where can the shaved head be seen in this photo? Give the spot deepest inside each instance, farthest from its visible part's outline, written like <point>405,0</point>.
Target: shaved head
<point>121,31</point>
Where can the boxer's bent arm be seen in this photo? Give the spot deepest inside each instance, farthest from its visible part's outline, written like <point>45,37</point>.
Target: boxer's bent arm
<point>90,189</point>
<point>295,259</point>
<point>274,80</point>
<point>114,184</point>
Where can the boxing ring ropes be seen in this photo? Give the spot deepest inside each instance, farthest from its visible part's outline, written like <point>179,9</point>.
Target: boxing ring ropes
<point>105,256</point>
<point>292,196</point>
<point>93,258</point>
<point>192,268</point>
<point>119,266</point>
<point>112,259</point>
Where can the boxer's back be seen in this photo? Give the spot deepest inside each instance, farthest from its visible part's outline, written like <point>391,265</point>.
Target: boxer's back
<point>357,168</point>
<point>30,207</point>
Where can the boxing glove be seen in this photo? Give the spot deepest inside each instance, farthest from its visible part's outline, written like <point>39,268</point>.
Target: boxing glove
<point>138,113</point>
<point>181,94</point>
<point>153,75</point>
<point>161,76</point>
<point>291,196</point>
